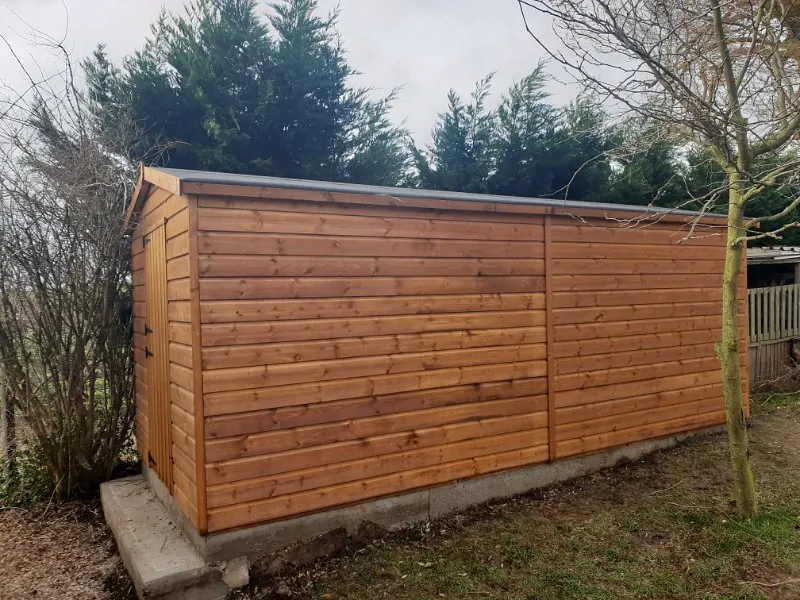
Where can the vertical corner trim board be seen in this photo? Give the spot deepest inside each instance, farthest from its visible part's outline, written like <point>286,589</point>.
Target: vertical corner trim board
<point>197,366</point>
<point>548,286</point>
<point>329,347</point>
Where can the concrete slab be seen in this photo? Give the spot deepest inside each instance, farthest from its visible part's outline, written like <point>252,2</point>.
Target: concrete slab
<point>161,561</point>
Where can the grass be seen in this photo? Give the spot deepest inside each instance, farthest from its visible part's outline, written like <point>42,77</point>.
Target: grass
<point>662,528</point>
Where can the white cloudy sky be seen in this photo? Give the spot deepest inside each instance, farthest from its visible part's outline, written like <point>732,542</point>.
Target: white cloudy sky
<point>426,46</point>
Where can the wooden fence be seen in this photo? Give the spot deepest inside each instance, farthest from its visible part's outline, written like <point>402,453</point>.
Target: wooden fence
<point>774,321</point>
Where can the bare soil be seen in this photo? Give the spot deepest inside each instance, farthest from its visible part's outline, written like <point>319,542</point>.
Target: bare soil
<point>62,552</point>
<point>661,528</point>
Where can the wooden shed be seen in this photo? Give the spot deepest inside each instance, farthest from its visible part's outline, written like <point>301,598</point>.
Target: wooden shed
<point>302,346</point>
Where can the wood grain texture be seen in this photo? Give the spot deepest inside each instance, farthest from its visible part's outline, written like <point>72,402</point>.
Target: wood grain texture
<point>345,348</point>
<point>344,411</point>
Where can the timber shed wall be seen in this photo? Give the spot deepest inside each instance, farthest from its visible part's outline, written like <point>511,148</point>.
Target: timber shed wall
<point>330,346</point>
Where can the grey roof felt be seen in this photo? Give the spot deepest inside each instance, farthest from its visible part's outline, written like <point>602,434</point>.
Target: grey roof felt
<point>398,192</point>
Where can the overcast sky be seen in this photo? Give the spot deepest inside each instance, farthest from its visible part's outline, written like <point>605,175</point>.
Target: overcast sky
<point>425,46</point>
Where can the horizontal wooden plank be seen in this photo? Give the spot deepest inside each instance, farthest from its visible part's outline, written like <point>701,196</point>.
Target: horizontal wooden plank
<point>296,504</point>
<point>634,388</point>
<point>178,268</point>
<point>603,233</point>
<point>140,371</point>
<point>584,331</point>
<point>181,333</point>
<point>602,377</point>
<point>181,419</point>
<point>329,391</point>
<point>156,198</point>
<point>340,287</point>
<point>632,266</point>
<point>179,289</point>
<point>227,311</point>
<point>180,354</point>
<point>296,352</point>
<point>566,316</point>
<point>644,402</point>
<point>139,342</point>
<point>577,283</point>
<point>321,245</point>
<point>177,224</point>
<point>178,245</point>
<point>243,378</point>
<point>592,347</point>
<point>214,265</point>
<point>268,487</point>
<point>180,310</point>
<point>268,221</point>
<point>181,376</point>
<point>636,251</point>
<point>346,430</point>
<point>649,431</point>
<point>184,462</point>
<point>186,485</point>
<point>635,297</point>
<point>137,266</point>
<point>618,360</point>
<point>185,505</point>
<point>277,419</point>
<point>139,325</point>
<point>229,334</point>
<point>586,428</point>
<point>400,209</point>
<point>140,310</point>
<point>305,458</point>
<point>183,440</point>
<point>182,397</point>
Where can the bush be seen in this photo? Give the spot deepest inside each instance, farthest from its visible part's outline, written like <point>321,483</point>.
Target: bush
<point>65,308</point>
<point>24,477</point>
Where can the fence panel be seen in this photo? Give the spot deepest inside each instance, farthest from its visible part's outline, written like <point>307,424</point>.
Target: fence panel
<point>774,313</point>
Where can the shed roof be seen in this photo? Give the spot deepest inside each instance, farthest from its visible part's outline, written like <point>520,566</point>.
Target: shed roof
<point>773,254</point>
<point>181,181</point>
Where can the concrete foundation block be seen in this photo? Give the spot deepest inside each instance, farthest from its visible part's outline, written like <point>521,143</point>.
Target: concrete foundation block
<point>160,560</point>
<point>261,540</point>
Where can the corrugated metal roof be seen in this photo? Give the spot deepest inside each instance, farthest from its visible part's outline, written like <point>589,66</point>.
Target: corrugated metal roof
<point>398,192</point>
<point>773,254</point>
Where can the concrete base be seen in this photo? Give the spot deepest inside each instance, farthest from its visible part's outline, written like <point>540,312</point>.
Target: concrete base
<point>160,559</point>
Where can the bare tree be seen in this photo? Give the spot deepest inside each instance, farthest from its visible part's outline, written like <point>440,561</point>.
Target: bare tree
<point>723,75</point>
<point>65,327</point>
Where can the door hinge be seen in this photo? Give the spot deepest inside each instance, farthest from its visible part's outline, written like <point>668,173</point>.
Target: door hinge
<point>145,241</point>
<point>147,330</point>
<point>147,353</point>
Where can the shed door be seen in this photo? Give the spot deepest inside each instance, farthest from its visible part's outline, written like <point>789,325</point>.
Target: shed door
<point>157,352</point>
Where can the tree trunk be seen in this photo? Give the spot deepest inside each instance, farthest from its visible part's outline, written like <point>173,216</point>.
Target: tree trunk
<point>8,428</point>
<point>728,351</point>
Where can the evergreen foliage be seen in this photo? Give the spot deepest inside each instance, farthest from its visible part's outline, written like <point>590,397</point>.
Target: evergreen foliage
<point>231,91</point>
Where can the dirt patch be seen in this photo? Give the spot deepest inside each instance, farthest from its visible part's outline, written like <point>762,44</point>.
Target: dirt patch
<point>60,553</point>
